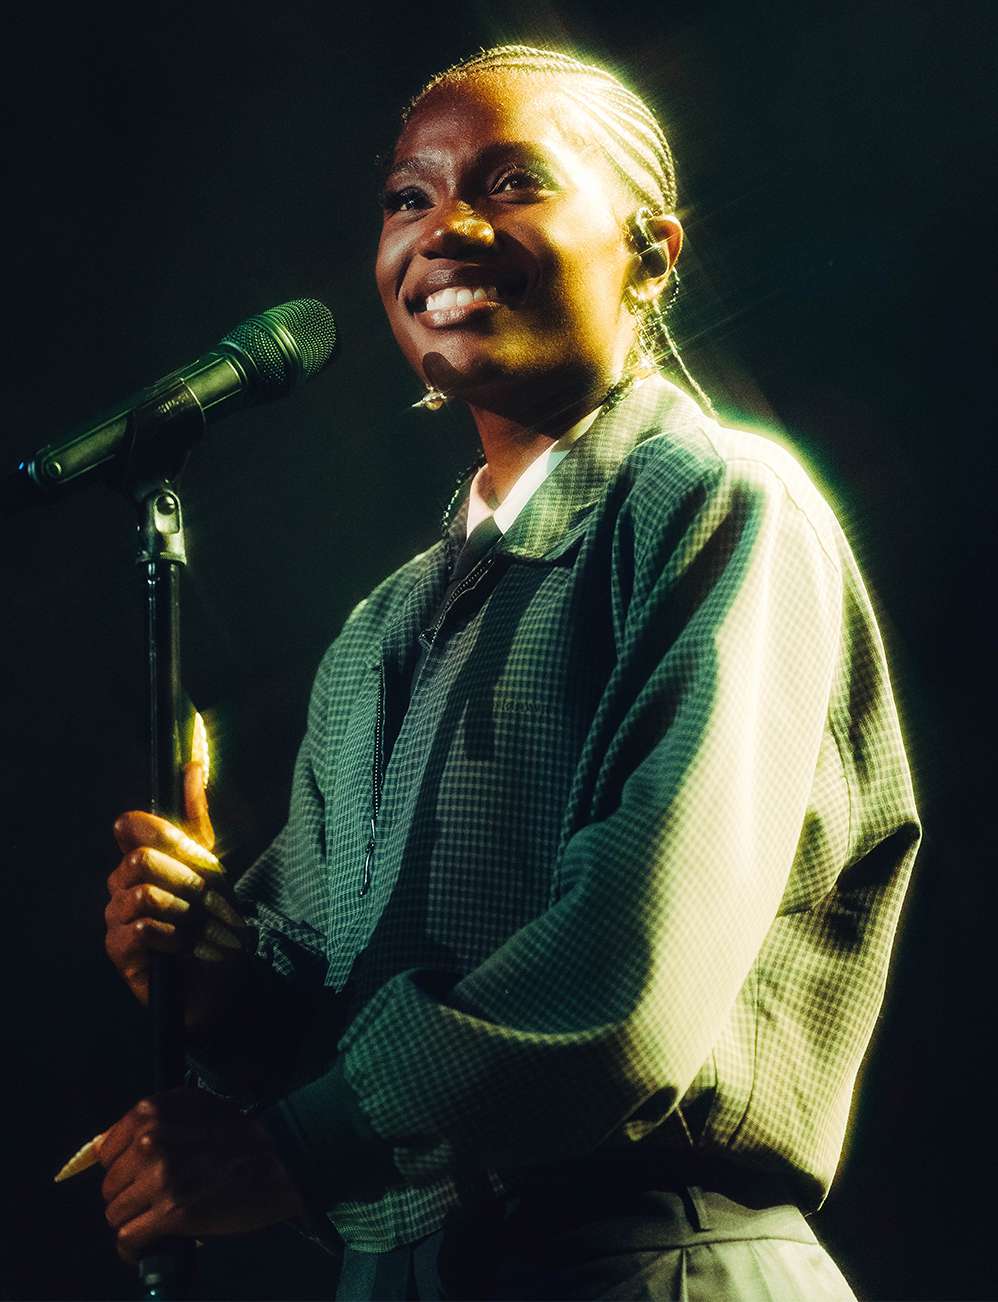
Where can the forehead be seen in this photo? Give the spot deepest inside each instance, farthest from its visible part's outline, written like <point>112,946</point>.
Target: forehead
<point>489,107</point>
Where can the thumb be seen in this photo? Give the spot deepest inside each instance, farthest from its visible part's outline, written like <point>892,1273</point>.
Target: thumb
<point>196,806</point>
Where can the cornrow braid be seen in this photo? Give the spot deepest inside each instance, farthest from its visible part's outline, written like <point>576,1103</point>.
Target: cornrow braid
<point>630,138</point>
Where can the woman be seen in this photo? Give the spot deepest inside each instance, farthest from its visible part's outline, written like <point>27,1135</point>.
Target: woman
<point>566,959</point>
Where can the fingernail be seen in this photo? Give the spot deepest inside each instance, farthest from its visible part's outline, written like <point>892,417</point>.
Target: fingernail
<point>208,953</point>
<point>221,908</point>
<point>202,857</point>
<point>199,746</point>
<point>82,1160</point>
<point>219,935</point>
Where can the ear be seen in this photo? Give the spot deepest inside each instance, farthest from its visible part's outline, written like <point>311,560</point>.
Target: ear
<point>658,239</point>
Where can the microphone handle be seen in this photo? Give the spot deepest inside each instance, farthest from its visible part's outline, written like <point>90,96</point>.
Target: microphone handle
<point>177,408</point>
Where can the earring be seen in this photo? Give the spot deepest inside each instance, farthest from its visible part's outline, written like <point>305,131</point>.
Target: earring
<point>643,368</point>
<point>432,400</point>
<point>642,294</point>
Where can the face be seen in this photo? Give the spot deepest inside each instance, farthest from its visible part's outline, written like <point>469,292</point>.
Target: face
<point>503,258</point>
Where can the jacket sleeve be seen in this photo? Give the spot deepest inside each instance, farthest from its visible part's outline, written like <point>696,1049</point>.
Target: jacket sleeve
<point>728,632</point>
<point>274,1035</point>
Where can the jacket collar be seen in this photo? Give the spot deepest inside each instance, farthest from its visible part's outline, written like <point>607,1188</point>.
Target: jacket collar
<point>552,519</point>
<point>579,480</point>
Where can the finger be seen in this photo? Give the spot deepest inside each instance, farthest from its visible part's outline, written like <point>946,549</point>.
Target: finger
<point>180,1124</point>
<point>135,1197</point>
<point>147,864</point>
<point>219,907</point>
<point>196,806</point>
<point>118,1137</point>
<point>162,1220</point>
<point>184,1106</point>
<point>208,953</point>
<point>148,1130</point>
<point>137,828</point>
<point>220,936</point>
<point>129,943</point>
<point>157,1166</point>
<point>134,971</point>
<point>145,901</point>
<point>125,1171</point>
<point>128,947</point>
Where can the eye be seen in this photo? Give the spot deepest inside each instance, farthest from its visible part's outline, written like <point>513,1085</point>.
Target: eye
<point>407,199</point>
<point>527,179</point>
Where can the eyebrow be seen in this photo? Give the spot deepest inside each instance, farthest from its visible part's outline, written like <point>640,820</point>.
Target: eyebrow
<point>424,165</point>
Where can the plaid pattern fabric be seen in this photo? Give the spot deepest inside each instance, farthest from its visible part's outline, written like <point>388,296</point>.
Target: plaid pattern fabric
<point>625,873</point>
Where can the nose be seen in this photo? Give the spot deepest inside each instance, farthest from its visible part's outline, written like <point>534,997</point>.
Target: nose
<point>458,227</point>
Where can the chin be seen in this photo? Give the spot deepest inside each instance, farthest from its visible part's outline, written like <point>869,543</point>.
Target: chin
<point>464,373</point>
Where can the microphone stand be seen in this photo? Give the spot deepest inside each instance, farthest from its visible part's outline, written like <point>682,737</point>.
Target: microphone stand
<point>145,447</point>
<point>166,1270</point>
<point>148,470</point>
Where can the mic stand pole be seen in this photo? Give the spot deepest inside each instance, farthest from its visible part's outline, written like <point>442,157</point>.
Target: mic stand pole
<point>166,1269</point>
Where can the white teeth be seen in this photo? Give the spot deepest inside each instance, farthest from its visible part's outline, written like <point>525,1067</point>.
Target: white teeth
<point>461,297</point>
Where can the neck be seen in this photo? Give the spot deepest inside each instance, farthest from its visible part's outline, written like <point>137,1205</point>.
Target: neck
<point>512,439</point>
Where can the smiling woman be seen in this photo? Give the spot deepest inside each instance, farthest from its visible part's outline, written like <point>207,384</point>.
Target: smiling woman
<point>563,967</point>
<point>498,184</point>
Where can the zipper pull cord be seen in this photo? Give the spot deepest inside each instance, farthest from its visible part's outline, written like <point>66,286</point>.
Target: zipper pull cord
<point>365,880</point>
<point>376,776</point>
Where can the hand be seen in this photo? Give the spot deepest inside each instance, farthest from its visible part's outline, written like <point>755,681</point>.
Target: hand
<point>169,894</point>
<point>185,1163</point>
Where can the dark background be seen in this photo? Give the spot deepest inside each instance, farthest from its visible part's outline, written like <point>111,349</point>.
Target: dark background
<point>172,169</point>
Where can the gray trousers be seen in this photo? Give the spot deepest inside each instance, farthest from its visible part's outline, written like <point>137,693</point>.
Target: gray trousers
<point>692,1245</point>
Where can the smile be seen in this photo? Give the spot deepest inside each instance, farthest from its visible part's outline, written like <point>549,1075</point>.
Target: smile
<point>461,296</point>
<point>448,296</point>
<point>450,307</point>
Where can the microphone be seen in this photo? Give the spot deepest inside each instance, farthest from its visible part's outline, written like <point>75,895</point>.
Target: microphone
<point>265,357</point>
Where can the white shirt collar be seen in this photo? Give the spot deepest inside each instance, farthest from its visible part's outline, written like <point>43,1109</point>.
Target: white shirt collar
<point>481,503</point>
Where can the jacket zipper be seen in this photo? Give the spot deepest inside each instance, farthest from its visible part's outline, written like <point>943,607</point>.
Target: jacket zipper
<point>377,773</point>
<point>475,573</point>
<point>376,776</point>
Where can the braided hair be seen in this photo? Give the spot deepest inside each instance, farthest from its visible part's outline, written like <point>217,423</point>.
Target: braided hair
<point>635,146</point>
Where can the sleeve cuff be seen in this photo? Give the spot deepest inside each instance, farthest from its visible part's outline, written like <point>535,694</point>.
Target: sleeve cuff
<point>230,1058</point>
<point>327,1144</point>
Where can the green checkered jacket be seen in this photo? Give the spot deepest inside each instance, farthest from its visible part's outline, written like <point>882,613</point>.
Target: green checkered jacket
<point>624,876</point>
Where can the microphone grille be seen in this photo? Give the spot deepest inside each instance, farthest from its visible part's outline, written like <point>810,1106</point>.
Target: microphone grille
<point>285,346</point>
<point>311,325</point>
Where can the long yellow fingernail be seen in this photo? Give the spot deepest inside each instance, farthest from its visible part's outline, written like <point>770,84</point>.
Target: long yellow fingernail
<point>196,852</point>
<point>199,747</point>
<point>208,953</point>
<point>219,935</point>
<point>82,1160</point>
<point>220,907</point>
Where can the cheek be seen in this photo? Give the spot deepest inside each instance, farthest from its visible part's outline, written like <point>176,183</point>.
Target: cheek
<point>592,297</point>
<point>389,264</point>
<point>590,271</point>
<point>386,274</point>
